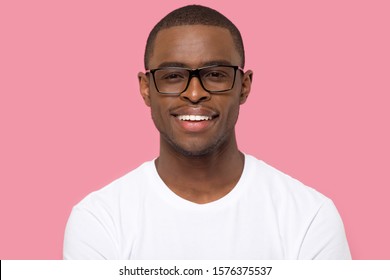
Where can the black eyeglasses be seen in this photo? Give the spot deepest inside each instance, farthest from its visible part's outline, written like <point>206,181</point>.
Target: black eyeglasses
<point>175,80</point>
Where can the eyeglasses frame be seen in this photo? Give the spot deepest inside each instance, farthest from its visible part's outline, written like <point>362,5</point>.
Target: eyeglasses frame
<point>194,73</point>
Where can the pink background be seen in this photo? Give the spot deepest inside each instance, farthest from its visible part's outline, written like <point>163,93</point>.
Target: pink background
<point>72,119</point>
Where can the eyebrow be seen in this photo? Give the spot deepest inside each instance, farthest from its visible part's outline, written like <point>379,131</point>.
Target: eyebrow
<point>171,64</point>
<point>180,64</point>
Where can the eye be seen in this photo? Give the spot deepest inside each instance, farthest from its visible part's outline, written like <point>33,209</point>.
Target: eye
<point>172,76</point>
<point>215,75</point>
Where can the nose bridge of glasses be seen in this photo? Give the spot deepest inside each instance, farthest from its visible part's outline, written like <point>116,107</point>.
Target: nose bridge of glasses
<point>195,89</point>
<point>195,73</point>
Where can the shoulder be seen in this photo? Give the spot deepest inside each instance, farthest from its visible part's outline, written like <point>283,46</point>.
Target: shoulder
<point>127,188</point>
<point>309,223</point>
<point>281,188</point>
<point>102,225</point>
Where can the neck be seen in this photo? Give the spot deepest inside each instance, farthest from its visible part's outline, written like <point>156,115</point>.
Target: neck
<point>201,179</point>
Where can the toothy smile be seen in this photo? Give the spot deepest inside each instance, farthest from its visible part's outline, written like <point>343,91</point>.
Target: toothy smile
<point>194,118</point>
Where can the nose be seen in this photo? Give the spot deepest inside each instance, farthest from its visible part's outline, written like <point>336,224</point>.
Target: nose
<point>195,92</point>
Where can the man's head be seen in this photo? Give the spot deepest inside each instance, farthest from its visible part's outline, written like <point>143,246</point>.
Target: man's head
<point>195,86</point>
<point>194,15</point>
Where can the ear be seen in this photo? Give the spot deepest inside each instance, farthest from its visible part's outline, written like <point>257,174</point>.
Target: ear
<point>246,86</point>
<point>144,88</point>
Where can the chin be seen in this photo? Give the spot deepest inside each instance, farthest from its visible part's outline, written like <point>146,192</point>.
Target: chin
<point>195,154</point>
<point>195,151</point>
<point>195,148</point>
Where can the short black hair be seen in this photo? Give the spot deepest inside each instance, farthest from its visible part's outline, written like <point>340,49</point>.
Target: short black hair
<point>194,15</point>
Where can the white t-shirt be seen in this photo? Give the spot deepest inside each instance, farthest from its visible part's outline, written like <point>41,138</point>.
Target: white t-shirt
<point>267,215</point>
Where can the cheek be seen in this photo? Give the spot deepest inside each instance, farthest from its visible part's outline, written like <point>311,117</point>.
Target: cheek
<point>156,116</point>
<point>232,113</point>
<point>160,115</point>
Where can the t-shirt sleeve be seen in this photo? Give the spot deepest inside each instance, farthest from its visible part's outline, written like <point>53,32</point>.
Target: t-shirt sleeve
<point>87,237</point>
<point>325,238</point>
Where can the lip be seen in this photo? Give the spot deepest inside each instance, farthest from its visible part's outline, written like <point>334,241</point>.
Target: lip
<point>194,111</point>
<point>196,125</point>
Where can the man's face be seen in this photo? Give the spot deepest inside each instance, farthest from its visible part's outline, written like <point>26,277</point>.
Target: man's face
<point>215,114</point>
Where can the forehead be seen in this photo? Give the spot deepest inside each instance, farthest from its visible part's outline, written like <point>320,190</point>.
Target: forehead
<point>193,46</point>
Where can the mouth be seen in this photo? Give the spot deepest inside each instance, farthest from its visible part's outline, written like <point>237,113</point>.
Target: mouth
<point>194,118</point>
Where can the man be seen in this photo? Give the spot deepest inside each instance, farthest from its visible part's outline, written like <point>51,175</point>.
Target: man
<point>202,198</point>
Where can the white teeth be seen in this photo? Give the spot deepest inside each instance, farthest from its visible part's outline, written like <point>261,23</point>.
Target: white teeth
<point>193,118</point>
